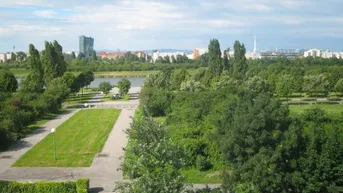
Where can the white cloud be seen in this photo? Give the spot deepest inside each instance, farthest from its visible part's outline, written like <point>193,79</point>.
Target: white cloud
<point>45,13</point>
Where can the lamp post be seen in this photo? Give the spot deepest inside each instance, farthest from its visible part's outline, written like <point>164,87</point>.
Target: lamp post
<point>53,130</point>
<point>86,105</point>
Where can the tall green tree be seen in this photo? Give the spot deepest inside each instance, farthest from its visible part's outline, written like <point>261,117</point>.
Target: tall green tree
<point>8,82</point>
<point>13,57</point>
<point>53,61</point>
<point>155,161</point>
<point>215,57</point>
<point>73,56</point>
<point>34,82</point>
<point>105,87</point>
<point>285,85</point>
<point>94,57</point>
<point>166,59</point>
<point>239,64</point>
<point>339,86</point>
<point>124,86</point>
<point>226,61</point>
<point>260,142</point>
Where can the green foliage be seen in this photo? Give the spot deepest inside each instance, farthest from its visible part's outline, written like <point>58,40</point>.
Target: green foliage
<point>285,85</point>
<point>156,162</point>
<point>240,66</point>
<point>339,86</point>
<point>316,84</point>
<point>38,187</point>
<point>215,57</point>
<point>124,86</point>
<point>8,82</point>
<point>192,86</point>
<point>177,77</point>
<point>258,85</point>
<point>82,185</point>
<point>105,87</point>
<point>156,101</point>
<point>202,163</point>
<point>315,114</point>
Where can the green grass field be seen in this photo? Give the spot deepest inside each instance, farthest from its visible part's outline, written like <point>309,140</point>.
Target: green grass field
<point>77,141</point>
<point>196,176</point>
<point>334,111</point>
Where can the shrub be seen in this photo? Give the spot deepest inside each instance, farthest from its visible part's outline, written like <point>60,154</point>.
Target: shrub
<point>82,185</point>
<point>202,163</point>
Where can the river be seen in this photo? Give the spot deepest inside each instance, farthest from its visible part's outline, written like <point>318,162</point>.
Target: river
<point>135,81</point>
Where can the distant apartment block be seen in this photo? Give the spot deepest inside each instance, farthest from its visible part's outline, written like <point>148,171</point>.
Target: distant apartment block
<point>322,53</point>
<point>200,51</point>
<point>156,54</point>
<point>115,55</point>
<point>86,45</point>
<point>280,53</point>
<point>5,56</point>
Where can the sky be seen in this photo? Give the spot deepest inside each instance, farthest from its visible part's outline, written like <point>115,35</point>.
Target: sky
<point>176,24</point>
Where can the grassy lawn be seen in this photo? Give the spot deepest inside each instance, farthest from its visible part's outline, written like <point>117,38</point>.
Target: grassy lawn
<point>77,141</point>
<point>334,111</point>
<point>196,176</point>
<point>108,97</point>
<point>20,72</point>
<point>73,99</point>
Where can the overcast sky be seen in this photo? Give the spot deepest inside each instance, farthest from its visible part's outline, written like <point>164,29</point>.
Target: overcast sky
<point>179,24</point>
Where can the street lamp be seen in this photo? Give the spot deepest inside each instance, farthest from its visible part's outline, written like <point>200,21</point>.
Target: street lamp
<point>86,112</point>
<point>53,130</point>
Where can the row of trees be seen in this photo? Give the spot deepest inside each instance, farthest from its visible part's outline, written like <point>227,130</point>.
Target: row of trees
<point>41,93</point>
<point>124,86</point>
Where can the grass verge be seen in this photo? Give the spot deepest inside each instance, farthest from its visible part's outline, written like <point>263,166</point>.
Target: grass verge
<point>202,177</point>
<point>333,111</point>
<point>77,141</point>
<point>39,123</point>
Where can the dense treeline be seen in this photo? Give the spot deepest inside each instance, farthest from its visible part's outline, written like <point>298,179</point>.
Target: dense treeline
<point>41,92</point>
<point>227,118</point>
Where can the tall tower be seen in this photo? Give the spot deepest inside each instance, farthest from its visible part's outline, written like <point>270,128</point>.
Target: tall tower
<point>254,44</point>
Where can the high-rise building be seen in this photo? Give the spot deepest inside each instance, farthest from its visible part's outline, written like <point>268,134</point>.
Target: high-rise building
<point>86,45</point>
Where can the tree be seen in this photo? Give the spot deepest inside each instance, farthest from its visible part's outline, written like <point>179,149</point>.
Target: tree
<point>68,78</point>
<point>89,77</point>
<point>155,161</point>
<point>13,57</point>
<point>105,87</point>
<point>192,86</point>
<point>81,55</point>
<point>177,77</point>
<point>159,60</point>
<point>259,140</point>
<point>53,61</point>
<point>339,86</point>
<point>258,85</point>
<point>285,85</point>
<point>94,57</point>
<point>124,86</point>
<point>215,58</point>
<point>239,64</point>
<point>21,56</point>
<point>73,56</point>
<point>172,59</point>
<point>8,82</point>
<point>166,60</point>
<point>316,84</point>
<point>226,62</point>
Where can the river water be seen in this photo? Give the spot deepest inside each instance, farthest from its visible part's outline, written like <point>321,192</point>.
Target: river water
<point>135,81</point>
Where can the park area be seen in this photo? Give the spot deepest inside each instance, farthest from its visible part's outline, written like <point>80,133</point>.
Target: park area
<point>77,141</point>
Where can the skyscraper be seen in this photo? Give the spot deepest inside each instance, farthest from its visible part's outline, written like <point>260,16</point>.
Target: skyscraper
<point>86,45</point>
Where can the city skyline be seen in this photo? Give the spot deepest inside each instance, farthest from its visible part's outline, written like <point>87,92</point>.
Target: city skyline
<point>146,24</point>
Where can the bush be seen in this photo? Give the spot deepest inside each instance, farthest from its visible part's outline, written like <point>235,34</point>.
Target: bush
<point>202,163</point>
<point>82,185</point>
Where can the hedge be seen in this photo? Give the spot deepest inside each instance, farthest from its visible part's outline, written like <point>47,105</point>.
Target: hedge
<point>80,186</point>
